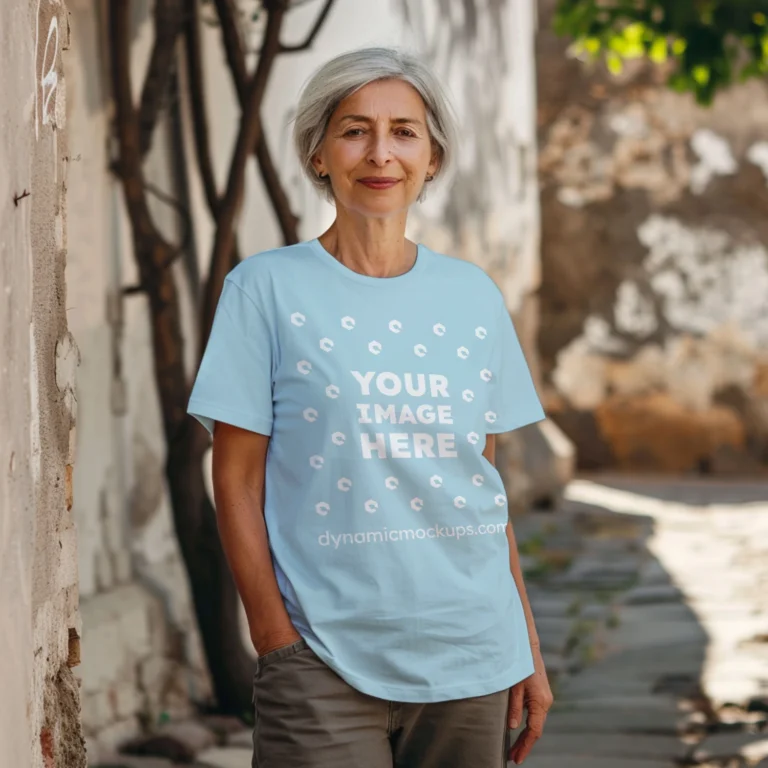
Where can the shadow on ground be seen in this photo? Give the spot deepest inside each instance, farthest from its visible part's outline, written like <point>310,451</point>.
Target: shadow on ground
<point>637,603</point>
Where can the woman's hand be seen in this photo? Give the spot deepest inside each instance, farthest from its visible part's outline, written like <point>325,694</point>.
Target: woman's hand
<point>535,695</point>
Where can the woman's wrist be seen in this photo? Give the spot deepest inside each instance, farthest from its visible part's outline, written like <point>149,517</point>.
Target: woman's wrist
<point>271,641</point>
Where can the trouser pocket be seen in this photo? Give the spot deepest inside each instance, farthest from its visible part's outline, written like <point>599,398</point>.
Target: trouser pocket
<point>308,716</point>
<point>279,654</point>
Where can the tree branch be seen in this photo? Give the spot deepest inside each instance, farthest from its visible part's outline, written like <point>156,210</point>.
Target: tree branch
<point>196,85</point>
<point>168,23</point>
<point>233,46</point>
<point>128,165</point>
<point>321,17</point>
<point>153,254</point>
<point>248,136</point>
<point>286,218</point>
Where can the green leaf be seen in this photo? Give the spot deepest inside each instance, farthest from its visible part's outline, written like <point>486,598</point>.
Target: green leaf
<point>618,44</point>
<point>634,32</point>
<point>614,63</point>
<point>701,74</point>
<point>658,52</point>
<point>634,50</point>
<point>714,41</point>
<point>591,45</point>
<point>680,82</point>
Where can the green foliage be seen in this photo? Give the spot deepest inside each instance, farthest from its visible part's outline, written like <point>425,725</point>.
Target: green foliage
<point>713,43</point>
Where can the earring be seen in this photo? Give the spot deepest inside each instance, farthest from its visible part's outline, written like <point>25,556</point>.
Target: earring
<point>322,175</point>
<point>429,178</point>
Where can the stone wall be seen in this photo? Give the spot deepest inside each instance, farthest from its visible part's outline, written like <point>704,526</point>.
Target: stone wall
<point>39,623</point>
<point>654,319</point>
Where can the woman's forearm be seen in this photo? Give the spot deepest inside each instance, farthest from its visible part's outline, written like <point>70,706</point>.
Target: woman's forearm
<point>243,533</point>
<point>517,573</point>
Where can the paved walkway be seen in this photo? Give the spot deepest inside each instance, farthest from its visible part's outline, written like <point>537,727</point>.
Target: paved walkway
<point>664,661</point>
<point>651,600</point>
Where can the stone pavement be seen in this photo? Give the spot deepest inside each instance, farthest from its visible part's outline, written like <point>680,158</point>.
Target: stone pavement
<point>651,600</point>
<point>666,658</point>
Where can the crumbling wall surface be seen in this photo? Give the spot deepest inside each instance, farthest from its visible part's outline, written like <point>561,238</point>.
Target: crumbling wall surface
<point>39,623</point>
<point>654,316</point>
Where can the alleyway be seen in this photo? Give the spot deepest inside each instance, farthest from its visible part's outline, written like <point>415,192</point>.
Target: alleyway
<point>652,603</point>
<point>652,606</point>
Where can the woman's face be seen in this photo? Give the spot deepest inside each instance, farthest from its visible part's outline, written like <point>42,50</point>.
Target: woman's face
<point>377,149</point>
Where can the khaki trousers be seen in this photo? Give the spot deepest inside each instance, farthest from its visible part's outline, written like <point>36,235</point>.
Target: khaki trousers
<point>308,717</point>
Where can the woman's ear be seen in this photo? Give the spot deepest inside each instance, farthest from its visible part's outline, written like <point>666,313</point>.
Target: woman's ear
<point>317,164</point>
<point>435,161</point>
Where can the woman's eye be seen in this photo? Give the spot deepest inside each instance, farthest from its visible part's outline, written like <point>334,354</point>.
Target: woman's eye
<point>354,132</point>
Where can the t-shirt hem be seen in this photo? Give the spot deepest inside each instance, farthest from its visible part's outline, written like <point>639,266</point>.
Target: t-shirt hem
<point>521,669</point>
<point>208,413</point>
<point>509,426</point>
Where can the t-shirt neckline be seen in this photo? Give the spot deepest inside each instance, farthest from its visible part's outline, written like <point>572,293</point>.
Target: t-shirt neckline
<point>380,282</point>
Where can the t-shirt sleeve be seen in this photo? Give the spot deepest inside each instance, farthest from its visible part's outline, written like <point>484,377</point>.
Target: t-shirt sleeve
<point>234,381</point>
<point>513,396</point>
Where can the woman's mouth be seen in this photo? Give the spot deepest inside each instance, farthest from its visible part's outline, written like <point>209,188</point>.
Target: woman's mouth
<point>379,182</point>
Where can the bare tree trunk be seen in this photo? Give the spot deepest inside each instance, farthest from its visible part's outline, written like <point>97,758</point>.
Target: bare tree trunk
<point>217,605</point>
<point>213,589</point>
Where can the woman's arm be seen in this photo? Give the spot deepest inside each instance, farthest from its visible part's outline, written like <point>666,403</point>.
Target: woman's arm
<point>533,693</point>
<point>514,557</point>
<point>239,462</point>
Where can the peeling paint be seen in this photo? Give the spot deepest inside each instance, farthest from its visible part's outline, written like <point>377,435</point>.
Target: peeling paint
<point>634,313</point>
<point>704,279</point>
<point>758,154</point>
<point>715,159</point>
<point>67,361</point>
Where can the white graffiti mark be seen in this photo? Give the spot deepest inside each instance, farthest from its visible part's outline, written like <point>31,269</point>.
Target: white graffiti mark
<point>47,80</point>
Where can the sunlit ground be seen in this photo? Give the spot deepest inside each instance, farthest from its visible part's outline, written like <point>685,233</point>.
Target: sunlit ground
<point>717,553</point>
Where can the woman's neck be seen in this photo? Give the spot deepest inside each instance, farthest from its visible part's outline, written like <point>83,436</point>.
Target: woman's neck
<point>373,247</point>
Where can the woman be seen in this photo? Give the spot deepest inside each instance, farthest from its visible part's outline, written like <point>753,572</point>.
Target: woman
<point>354,385</point>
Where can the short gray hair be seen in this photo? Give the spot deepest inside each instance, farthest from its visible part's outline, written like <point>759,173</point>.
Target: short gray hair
<point>347,73</point>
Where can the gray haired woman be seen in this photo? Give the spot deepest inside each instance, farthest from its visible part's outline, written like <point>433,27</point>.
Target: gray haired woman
<point>354,385</point>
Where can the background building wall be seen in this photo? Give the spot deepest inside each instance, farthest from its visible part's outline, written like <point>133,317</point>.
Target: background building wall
<point>654,320</point>
<point>141,651</point>
<point>39,623</point>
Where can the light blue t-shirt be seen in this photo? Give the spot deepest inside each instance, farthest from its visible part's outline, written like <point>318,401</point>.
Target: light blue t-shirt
<point>386,522</point>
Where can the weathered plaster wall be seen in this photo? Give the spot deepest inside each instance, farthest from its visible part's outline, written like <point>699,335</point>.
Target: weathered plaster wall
<point>141,652</point>
<point>654,321</point>
<point>39,622</point>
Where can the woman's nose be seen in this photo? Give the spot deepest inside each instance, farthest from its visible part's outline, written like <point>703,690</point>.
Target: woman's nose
<point>380,150</point>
